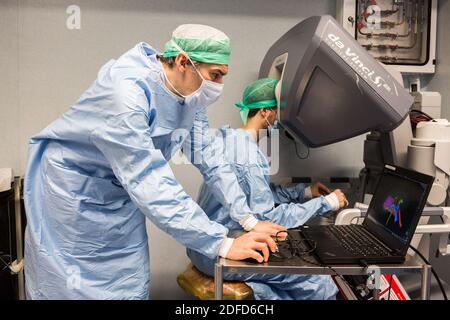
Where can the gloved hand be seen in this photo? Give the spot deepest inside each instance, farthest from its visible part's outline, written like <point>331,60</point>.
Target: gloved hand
<point>248,245</point>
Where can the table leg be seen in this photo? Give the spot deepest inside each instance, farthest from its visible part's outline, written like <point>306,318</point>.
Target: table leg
<point>218,281</point>
<point>426,281</point>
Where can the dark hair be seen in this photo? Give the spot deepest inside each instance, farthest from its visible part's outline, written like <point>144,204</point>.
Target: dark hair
<point>253,112</point>
<point>170,61</point>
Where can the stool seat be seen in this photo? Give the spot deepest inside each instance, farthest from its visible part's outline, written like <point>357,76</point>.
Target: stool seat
<point>201,286</point>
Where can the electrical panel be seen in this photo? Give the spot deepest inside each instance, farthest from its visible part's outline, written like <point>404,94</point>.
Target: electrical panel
<point>396,32</point>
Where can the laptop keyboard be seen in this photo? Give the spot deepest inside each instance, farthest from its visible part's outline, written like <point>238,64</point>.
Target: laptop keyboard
<point>358,241</point>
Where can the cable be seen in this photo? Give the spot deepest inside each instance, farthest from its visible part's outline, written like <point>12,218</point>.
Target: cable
<point>417,116</point>
<point>300,253</point>
<point>331,268</point>
<point>422,113</point>
<point>432,270</point>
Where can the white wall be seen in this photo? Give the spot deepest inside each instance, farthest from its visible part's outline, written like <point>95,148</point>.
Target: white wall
<point>441,80</point>
<point>44,67</point>
<point>9,78</point>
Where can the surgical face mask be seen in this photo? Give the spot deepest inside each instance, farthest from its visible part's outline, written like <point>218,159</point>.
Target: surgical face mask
<point>206,94</point>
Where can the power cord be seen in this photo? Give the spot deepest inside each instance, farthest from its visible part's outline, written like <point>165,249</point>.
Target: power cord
<point>294,250</point>
<point>417,116</point>
<point>426,115</point>
<point>438,280</point>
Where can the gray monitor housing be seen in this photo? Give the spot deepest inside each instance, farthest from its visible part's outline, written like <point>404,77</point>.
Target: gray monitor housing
<point>331,89</point>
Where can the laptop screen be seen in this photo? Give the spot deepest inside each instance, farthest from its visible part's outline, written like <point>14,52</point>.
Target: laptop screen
<point>396,204</point>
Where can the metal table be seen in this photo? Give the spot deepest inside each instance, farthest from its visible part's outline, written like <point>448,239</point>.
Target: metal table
<point>299,266</point>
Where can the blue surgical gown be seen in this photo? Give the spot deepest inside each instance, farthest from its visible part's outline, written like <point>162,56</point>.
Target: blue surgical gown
<point>94,174</point>
<point>253,173</point>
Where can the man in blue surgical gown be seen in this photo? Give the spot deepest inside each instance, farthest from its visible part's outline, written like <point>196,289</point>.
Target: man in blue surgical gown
<point>94,174</point>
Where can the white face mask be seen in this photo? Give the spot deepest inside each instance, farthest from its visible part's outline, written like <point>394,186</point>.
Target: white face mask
<point>206,94</point>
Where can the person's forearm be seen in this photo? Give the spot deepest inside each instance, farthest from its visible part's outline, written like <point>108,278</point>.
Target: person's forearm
<point>296,193</point>
<point>292,215</point>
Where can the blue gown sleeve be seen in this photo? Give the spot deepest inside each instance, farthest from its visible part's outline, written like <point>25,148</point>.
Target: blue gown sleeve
<point>206,152</point>
<point>292,215</point>
<point>283,194</point>
<point>262,201</point>
<point>125,141</point>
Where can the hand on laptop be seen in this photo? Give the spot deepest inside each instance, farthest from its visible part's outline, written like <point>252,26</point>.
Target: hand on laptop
<point>252,245</point>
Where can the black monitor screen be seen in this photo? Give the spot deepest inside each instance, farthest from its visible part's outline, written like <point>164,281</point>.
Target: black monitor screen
<point>395,204</point>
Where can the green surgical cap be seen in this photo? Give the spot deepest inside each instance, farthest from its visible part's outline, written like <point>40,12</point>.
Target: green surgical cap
<point>201,43</point>
<point>259,94</point>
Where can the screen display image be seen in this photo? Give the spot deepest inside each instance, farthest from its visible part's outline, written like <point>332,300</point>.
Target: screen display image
<point>393,208</point>
<point>395,204</point>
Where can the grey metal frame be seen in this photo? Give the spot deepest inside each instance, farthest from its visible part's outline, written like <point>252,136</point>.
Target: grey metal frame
<point>299,266</point>
<point>19,244</point>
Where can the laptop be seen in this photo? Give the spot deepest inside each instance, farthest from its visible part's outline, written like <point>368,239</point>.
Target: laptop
<point>388,227</point>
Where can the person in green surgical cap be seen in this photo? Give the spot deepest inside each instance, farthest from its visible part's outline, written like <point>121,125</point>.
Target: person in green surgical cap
<point>288,206</point>
<point>98,171</point>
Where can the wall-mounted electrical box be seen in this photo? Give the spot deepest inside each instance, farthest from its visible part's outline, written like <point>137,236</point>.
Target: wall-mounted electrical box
<point>396,32</point>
